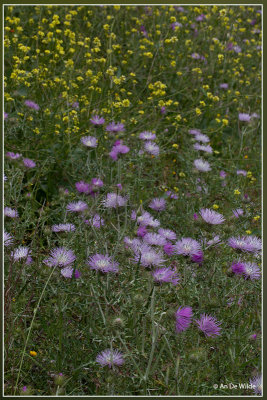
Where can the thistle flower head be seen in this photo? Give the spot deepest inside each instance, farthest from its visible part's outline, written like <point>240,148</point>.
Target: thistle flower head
<point>113,127</point>
<point>103,263</point>
<point>211,217</point>
<point>63,228</point>
<point>166,275</point>
<point>157,204</point>
<point>89,141</point>
<point>256,382</point>
<point>200,137</point>
<point>77,206</point>
<point>9,212</point>
<point>31,104</point>
<point>147,135</point>
<point>151,148</point>
<point>209,325</point>
<point>187,247</point>
<point>146,219</point>
<point>167,234</point>
<point>202,165</point>
<point>61,257</point>
<point>13,156</point>
<point>29,163</point>
<point>200,147</point>
<point>82,187</point>
<point>154,239</point>
<point>110,357</point>
<point>183,318</point>
<point>114,200</point>
<point>97,120</point>
<point>8,239</point>
<point>20,253</point>
<point>148,257</point>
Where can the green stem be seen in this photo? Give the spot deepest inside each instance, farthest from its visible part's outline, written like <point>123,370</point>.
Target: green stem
<point>29,333</point>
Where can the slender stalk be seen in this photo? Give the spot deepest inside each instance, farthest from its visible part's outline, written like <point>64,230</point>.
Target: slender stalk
<point>29,333</point>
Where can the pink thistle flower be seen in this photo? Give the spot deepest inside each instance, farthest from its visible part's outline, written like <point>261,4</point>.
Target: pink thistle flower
<point>110,358</point>
<point>96,120</point>
<point>183,318</point>
<point>209,325</point>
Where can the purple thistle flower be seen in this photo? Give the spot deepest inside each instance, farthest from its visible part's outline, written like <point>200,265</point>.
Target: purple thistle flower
<point>198,257</point>
<point>151,148</point>
<point>237,49</point>
<point>63,228</point>
<point>209,325</point>
<point>223,174</point>
<point>245,243</point>
<point>9,212</point>
<point>167,234</point>
<point>187,247</point>
<point>163,110</point>
<point>238,212</point>
<point>200,18</point>
<point>96,183</point>
<point>8,239</point>
<point>224,86</point>
<point>77,206</point>
<point>13,156</point>
<point>195,216</point>
<point>113,127</point>
<point>254,336</point>
<point>119,186</point>
<point>202,165</point>
<point>29,163</point>
<point>114,200</point>
<point>148,257</point>
<point>141,231</point>
<point>103,263</point>
<point>97,120</point>
<point>61,257</point>
<point>154,239</point>
<point>118,148</point>
<point>97,221</point>
<point>244,117</point>
<point>168,248</point>
<point>75,105</point>
<point>195,56</point>
<point>147,135</point>
<point>5,115</point>
<point>256,383</point>
<point>211,217</point>
<point>146,219</point>
<point>157,204</point>
<point>77,274</point>
<point>67,272</point>
<point>171,195</point>
<point>200,137</point>
<point>143,30</point>
<point>251,271</point>
<point>110,357</point>
<point>214,241</point>
<point>200,147</point>
<point>183,318</point>
<point>241,172</point>
<point>20,253</point>
<point>31,104</point>
<point>238,268</point>
<point>166,275</point>
<point>82,187</point>
<point>89,141</point>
